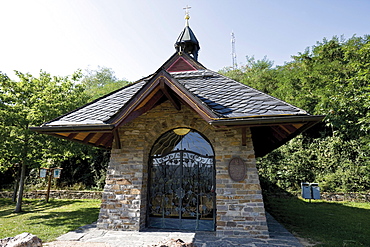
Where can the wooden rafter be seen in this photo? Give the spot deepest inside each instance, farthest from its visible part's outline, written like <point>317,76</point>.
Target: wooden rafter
<point>278,133</point>
<point>72,135</point>
<point>107,142</point>
<point>88,137</point>
<point>169,96</point>
<point>288,128</point>
<point>144,108</point>
<point>103,138</point>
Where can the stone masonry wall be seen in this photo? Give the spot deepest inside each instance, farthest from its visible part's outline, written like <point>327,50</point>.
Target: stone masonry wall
<point>240,209</point>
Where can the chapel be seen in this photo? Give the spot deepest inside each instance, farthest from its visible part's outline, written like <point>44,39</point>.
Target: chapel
<point>184,142</point>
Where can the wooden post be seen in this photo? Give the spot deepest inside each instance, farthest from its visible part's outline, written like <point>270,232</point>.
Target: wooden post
<point>244,137</point>
<point>49,185</point>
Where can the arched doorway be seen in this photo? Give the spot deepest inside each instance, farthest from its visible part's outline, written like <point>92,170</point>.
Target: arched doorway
<point>182,182</point>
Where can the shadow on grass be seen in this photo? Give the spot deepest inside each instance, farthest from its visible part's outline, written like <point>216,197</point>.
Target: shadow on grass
<point>69,220</point>
<point>330,224</point>
<point>31,206</point>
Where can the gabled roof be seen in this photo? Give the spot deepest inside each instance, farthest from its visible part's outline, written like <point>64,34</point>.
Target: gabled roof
<point>182,80</point>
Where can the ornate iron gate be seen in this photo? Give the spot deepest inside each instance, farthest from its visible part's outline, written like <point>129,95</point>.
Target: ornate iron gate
<point>181,191</point>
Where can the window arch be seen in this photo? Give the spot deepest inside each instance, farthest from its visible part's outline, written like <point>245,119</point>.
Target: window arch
<point>182,139</point>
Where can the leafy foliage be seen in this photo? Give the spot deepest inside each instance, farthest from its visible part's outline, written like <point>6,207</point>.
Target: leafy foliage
<point>332,79</point>
<point>336,164</point>
<point>256,73</point>
<point>101,82</point>
<point>32,101</point>
<point>29,102</point>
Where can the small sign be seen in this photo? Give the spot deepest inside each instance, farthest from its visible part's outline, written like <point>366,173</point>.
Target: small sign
<point>237,169</point>
<point>56,172</point>
<point>43,172</point>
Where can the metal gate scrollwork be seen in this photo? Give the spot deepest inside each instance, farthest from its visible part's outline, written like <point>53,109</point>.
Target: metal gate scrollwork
<point>182,187</point>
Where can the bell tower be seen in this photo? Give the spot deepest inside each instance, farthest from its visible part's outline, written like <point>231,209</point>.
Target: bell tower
<point>187,42</point>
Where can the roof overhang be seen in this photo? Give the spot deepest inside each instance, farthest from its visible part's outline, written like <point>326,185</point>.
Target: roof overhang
<point>45,129</point>
<point>267,120</point>
<point>95,135</point>
<point>270,132</point>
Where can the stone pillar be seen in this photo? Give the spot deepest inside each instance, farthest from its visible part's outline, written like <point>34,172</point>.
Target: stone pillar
<point>240,207</point>
<point>123,193</point>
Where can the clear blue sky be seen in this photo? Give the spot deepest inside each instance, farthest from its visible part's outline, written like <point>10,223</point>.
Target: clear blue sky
<point>135,37</point>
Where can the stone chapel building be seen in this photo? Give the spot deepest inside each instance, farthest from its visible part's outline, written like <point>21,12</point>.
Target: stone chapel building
<point>183,146</point>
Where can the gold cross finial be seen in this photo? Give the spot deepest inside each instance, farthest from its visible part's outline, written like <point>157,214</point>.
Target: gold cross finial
<point>187,16</point>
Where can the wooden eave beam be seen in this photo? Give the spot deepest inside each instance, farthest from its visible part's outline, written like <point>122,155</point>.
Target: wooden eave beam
<point>88,138</point>
<point>244,136</point>
<point>281,132</point>
<point>166,92</point>
<point>72,136</point>
<point>117,140</point>
<point>307,120</point>
<point>288,128</point>
<point>193,102</point>
<point>73,129</point>
<point>76,140</point>
<point>102,138</point>
<point>141,110</point>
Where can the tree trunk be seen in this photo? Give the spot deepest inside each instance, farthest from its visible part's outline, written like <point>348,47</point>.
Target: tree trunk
<point>16,185</point>
<point>18,207</point>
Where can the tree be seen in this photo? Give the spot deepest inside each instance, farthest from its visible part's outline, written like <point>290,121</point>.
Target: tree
<point>258,74</point>
<point>330,78</point>
<point>101,82</point>
<point>32,101</point>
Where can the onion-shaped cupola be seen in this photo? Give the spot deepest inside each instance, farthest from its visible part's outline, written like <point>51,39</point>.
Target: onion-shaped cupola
<point>187,42</point>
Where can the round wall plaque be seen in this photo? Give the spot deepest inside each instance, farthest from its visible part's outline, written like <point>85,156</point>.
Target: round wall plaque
<point>237,169</point>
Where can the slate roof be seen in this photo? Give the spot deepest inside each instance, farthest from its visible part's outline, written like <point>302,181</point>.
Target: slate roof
<point>225,97</point>
<point>101,110</point>
<point>232,99</point>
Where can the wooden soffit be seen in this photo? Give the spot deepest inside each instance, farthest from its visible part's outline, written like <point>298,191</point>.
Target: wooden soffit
<point>271,132</point>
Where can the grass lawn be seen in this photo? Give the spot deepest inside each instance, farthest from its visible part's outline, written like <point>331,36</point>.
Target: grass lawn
<point>46,220</point>
<point>326,223</point>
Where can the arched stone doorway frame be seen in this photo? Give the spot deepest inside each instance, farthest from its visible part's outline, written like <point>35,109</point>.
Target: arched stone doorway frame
<point>197,167</point>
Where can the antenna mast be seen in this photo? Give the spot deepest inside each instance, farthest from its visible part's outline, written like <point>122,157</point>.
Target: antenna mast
<point>233,53</point>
